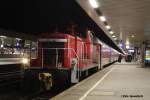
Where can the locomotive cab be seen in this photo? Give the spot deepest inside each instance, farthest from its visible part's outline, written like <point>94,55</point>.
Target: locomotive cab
<point>55,51</point>
<point>57,58</point>
<point>51,52</point>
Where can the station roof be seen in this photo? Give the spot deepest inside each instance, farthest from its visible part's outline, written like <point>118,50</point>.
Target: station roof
<point>128,19</point>
<point>32,17</point>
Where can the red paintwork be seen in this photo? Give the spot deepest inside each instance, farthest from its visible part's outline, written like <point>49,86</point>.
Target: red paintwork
<point>82,46</point>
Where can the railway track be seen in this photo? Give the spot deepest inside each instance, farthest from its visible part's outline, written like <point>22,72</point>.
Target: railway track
<point>46,95</point>
<point>10,79</point>
<point>39,95</point>
<point>17,94</point>
<point>9,74</point>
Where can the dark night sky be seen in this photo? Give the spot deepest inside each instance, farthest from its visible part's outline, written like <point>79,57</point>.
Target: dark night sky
<point>36,16</point>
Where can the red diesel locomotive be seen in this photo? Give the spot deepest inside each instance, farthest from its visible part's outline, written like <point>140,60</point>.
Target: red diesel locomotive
<point>63,58</point>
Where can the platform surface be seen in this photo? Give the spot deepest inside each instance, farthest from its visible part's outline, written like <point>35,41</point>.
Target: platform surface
<point>120,81</point>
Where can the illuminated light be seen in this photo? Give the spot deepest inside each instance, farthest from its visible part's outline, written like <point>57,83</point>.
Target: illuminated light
<point>3,36</point>
<point>8,44</point>
<point>17,44</point>
<point>127,42</point>
<point>18,39</point>
<point>127,46</point>
<point>27,44</point>
<point>93,3</point>
<point>111,32</point>
<point>113,36</point>
<point>108,27</point>
<point>2,45</point>
<point>25,61</point>
<point>131,50</point>
<point>89,31</point>
<point>132,36</point>
<point>102,18</point>
<point>103,46</point>
<point>120,45</point>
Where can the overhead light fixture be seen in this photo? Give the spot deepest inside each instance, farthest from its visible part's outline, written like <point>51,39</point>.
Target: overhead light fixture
<point>132,36</point>
<point>113,36</point>
<point>17,44</point>
<point>2,45</point>
<point>18,39</point>
<point>108,27</point>
<point>1,36</point>
<point>93,3</point>
<point>111,32</point>
<point>103,46</point>
<point>127,42</point>
<point>102,18</point>
<point>27,44</point>
<point>120,45</point>
<point>127,46</point>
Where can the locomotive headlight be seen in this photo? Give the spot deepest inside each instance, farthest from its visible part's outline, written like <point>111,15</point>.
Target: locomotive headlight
<point>25,61</point>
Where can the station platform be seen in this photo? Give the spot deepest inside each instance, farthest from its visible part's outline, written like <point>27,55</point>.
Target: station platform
<point>120,81</point>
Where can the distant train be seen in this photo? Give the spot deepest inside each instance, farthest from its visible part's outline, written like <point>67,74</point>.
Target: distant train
<point>66,58</point>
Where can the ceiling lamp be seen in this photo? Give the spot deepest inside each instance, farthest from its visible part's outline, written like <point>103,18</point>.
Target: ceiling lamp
<point>121,45</point>
<point>1,36</point>
<point>2,45</point>
<point>102,18</point>
<point>127,42</point>
<point>18,39</point>
<point>127,46</point>
<point>93,3</point>
<point>113,36</point>
<point>108,27</point>
<point>132,36</point>
<point>111,32</point>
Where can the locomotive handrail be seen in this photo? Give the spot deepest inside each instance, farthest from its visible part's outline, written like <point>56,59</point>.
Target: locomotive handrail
<point>57,56</point>
<point>62,49</point>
